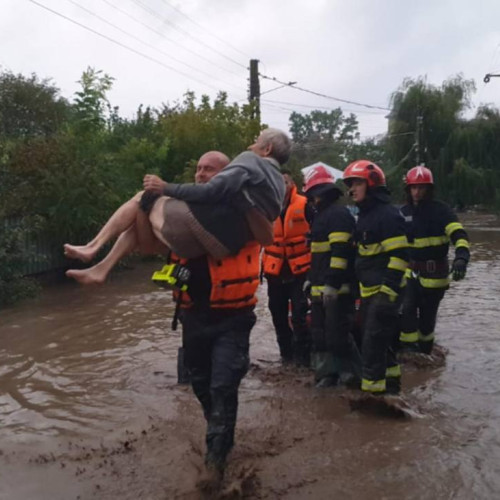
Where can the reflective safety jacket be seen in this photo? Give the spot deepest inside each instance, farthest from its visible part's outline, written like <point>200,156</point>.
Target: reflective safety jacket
<point>290,240</point>
<point>382,247</point>
<point>332,250</point>
<point>430,227</point>
<point>231,283</point>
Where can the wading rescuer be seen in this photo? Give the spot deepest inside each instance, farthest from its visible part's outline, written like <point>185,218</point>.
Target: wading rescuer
<point>381,262</point>
<point>330,282</point>
<point>217,317</point>
<point>431,225</point>
<point>285,264</point>
<point>216,218</point>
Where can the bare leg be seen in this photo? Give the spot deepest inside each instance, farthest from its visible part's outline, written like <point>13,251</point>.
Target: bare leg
<point>125,244</point>
<point>148,242</point>
<point>119,222</point>
<point>138,236</point>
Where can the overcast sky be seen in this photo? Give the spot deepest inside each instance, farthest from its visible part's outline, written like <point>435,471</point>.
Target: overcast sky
<point>358,50</point>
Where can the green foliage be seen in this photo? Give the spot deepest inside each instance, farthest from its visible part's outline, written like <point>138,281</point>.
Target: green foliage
<point>330,137</point>
<point>194,129</point>
<point>30,107</point>
<point>463,154</point>
<point>72,164</point>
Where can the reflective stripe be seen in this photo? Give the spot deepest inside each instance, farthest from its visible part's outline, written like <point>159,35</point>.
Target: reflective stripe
<point>373,385</point>
<point>317,290</point>
<point>372,249</point>
<point>338,263</point>
<point>393,371</point>
<point>409,337</point>
<point>320,246</point>
<point>368,291</point>
<point>339,237</point>
<point>431,241</point>
<point>451,227</point>
<point>384,246</point>
<point>394,243</point>
<point>398,264</point>
<point>389,291</point>
<point>408,273</point>
<point>434,282</point>
<point>426,338</point>
<point>462,243</point>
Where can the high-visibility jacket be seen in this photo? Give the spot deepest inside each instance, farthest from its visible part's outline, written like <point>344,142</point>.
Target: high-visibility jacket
<point>290,240</point>
<point>332,250</point>
<point>431,226</point>
<point>233,280</point>
<point>382,247</point>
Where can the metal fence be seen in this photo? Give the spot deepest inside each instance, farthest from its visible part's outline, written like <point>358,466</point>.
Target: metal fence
<point>41,256</point>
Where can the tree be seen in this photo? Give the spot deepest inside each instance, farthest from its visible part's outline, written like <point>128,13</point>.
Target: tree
<point>30,107</point>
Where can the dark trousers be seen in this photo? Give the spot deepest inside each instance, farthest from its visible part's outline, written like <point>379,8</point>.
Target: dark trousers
<point>332,342</point>
<point>294,341</point>
<point>419,315</point>
<point>216,355</point>
<point>378,349</point>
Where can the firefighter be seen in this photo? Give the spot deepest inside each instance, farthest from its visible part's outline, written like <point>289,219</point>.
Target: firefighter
<point>329,281</point>
<point>431,225</point>
<point>381,262</point>
<point>285,264</point>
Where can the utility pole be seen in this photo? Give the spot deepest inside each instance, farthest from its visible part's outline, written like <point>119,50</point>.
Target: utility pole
<point>418,137</point>
<point>254,94</point>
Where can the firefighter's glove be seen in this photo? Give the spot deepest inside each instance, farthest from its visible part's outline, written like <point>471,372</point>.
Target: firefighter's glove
<point>386,306</point>
<point>329,295</point>
<point>458,269</point>
<point>306,287</point>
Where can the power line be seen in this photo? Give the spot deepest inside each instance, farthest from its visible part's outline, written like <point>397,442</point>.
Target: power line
<point>321,107</point>
<point>205,29</point>
<point>122,44</point>
<point>146,43</point>
<point>180,30</point>
<point>125,13</point>
<point>338,99</point>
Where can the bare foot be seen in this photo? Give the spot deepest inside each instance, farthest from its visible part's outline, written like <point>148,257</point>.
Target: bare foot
<point>83,253</point>
<point>86,276</point>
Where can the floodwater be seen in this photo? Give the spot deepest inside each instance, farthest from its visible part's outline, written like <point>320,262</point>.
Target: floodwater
<point>90,408</point>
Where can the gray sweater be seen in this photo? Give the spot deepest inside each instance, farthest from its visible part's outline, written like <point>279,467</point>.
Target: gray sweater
<point>248,181</point>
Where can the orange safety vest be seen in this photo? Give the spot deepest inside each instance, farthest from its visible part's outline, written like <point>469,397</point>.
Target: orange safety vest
<point>234,279</point>
<point>289,240</point>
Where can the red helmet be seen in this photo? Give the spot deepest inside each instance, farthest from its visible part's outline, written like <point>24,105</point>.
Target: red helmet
<point>367,170</point>
<point>316,176</point>
<point>419,175</point>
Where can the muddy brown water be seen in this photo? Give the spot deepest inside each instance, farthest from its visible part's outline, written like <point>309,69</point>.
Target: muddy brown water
<point>90,408</point>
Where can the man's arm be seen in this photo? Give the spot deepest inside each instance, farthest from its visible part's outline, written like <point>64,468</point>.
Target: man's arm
<point>222,186</point>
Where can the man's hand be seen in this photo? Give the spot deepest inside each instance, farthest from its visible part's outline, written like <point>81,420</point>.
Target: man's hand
<point>458,269</point>
<point>154,184</point>
<point>330,295</point>
<point>306,287</point>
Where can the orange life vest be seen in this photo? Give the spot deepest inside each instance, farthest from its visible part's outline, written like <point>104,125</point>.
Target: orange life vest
<point>289,239</point>
<point>234,279</point>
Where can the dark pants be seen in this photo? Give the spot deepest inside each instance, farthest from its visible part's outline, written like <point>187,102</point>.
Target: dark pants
<point>217,357</point>
<point>379,342</point>
<point>294,342</point>
<point>418,321</point>
<point>333,347</point>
